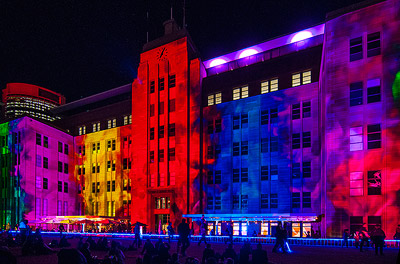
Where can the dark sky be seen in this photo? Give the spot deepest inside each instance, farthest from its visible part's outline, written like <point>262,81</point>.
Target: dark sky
<point>80,47</point>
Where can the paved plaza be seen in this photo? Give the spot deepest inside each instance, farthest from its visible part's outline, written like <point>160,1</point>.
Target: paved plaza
<point>300,254</point>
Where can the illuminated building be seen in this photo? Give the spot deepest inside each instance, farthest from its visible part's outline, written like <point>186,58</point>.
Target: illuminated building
<point>37,172</point>
<point>26,99</point>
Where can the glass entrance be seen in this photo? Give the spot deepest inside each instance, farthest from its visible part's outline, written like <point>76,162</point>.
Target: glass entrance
<point>161,223</point>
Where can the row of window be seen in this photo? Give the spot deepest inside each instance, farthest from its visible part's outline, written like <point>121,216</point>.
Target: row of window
<point>61,167</point>
<point>374,137</point>
<point>299,78</point>
<point>162,180</point>
<point>373,92</point>
<point>110,208</point>
<point>162,203</point>
<point>171,83</point>
<point>60,186</point>
<point>171,107</point>
<point>111,123</point>
<point>42,207</point>
<point>374,180</point>
<point>161,131</point>
<point>110,144</point>
<point>373,42</point>
<point>62,148</point>
<point>171,155</point>
<point>111,166</point>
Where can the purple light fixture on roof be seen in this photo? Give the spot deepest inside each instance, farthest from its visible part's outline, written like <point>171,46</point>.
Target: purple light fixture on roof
<point>302,35</point>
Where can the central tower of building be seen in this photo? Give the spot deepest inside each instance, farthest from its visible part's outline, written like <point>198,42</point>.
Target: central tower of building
<point>166,103</point>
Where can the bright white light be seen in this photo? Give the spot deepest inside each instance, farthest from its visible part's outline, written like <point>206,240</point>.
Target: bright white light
<point>302,35</point>
<point>216,62</point>
<point>247,53</point>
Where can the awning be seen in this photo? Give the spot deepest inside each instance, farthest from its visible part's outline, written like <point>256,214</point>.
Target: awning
<point>291,217</point>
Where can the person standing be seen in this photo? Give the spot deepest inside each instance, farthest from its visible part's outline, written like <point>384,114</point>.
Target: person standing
<point>364,237</point>
<point>138,242</point>
<point>259,256</point>
<point>397,235</point>
<point>171,232</point>
<point>378,237</point>
<point>184,232</point>
<point>346,238</point>
<point>280,238</point>
<point>203,231</point>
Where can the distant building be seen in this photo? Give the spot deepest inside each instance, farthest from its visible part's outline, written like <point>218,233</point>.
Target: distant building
<point>22,99</point>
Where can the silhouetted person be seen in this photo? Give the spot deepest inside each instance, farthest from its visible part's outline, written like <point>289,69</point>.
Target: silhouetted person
<point>71,256</point>
<point>163,252</point>
<point>184,231</point>
<point>346,238</point>
<point>397,235</point>
<point>229,233</point>
<point>280,235</point>
<point>116,253</point>
<point>64,242</point>
<point>148,251</point>
<point>136,230</point>
<point>207,253</point>
<point>6,257</point>
<point>378,237</point>
<point>158,245</point>
<point>230,253</point>
<point>203,231</point>
<point>171,231</point>
<point>85,250</point>
<point>364,237</point>
<point>259,256</point>
<point>245,252</point>
<point>92,243</point>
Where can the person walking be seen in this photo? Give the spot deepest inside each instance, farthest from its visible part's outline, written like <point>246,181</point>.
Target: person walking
<point>280,239</point>
<point>345,238</point>
<point>184,232</point>
<point>378,237</point>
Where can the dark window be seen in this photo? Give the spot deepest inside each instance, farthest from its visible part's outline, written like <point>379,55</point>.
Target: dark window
<point>374,136</point>
<point>66,168</point>
<point>218,126</point>
<point>245,174</point>
<point>60,147</point>
<point>38,139</point>
<point>151,133</point>
<point>98,169</point>
<point>296,170</point>
<point>217,150</point>
<point>274,200</point>
<point>125,164</point>
<point>306,109</point>
<point>161,155</point>
<point>60,166</point>
<point>79,171</point>
<point>264,173</point>
<point>374,182</point>
<point>373,44</point>
<point>236,122</point>
<point>161,108</point>
<point>356,50</point>
<point>45,163</point>
<point>218,203</point>
<point>274,114</point>
<point>152,86</point>
<point>306,199</point>
<point>210,177</point>
<point>264,201</point>
<point>45,183</point>
<point>356,222</point>
<point>108,186</point>
<point>306,139</point>
<point>236,148</point>
<point>274,144</point>
<point>296,200</point>
<point>356,93</point>
<point>152,156</point>
<point>244,201</point>
<point>245,147</point>
<point>295,111</point>
<point>264,117</point>
<point>236,175</point>
<point>66,150</point>
<point>171,130</point>
<point>210,127</point>
<point>93,187</point>
<point>152,110</point>
<point>161,84</point>
<point>373,221</point>
<point>245,120</point>
<point>113,166</point>
<point>161,132</point>
<point>59,186</point>
<point>218,177</point>
<point>45,142</point>
<point>210,153</point>
<point>307,169</point>
<point>264,145</point>
<point>296,141</point>
<point>113,186</point>
<point>373,91</point>
<point>65,187</point>
<point>274,172</point>
<point>171,105</point>
<point>210,203</point>
<point>171,154</point>
<point>171,81</point>
<point>235,202</point>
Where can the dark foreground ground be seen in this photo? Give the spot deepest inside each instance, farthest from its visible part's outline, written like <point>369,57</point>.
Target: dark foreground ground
<point>300,254</point>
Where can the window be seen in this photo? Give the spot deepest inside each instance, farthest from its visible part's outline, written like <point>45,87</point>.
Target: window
<point>161,132</point>
<point>235,176</point>
<point>217,150</point>
<point>356,50</point>
<point>127,120</point>
<point>210,203</point>
<point>38,139</point>
<point>45,183</point>
<point>60,166</point>
<point>82,130</point>
<point>374,182</point>
<point>66,168</point>
<point>245,148</point>
<point>171,81</point>
<point>161,84</point>
<point>245,120</point>
<point>93,187</point>
<point>111,123</point>
<point>296,200</point>
<point>210,152</point>
<point>264,117</point>
<point>296,141</point>
<point>245,174</point>
<point>152,107</point>
<point>60,147</point>
<point>373,221</point>
<point>356,93</point>
<point>171,105</point>
<point>151,133</point>
<point>66,149</point>
<point>274,172</point>
<point>38,161</point>
<point>244,201</point>
<point>296,170</point>
<point>264,145</point>
<point>218,203</point>
<point>274,144</point>
<point>98,187</point>
<point>152,180</point>
<point>356,183</point>
<point>210,99</point>
<point>113,186</point>
<point>65,187</point>
<point>306,199</point>
<point>96,127</point>
<point>236,148</point>
<point>172,179</point>
<point>306,139</point>
<point>152,86</point>
<point>98,167</point>
<point>374,136</point>
<point>210,127</point>
<point>113,145</point>
<point>373,44</point>
<point>236,122</point>
<point>151,156</point>
<point>218,177</point>
<point>45,142</point>
<point>301,78</point>
<point>295,111</point>
<point>171,154</point>
<point>274,114</point>
<point>59,186</point>
<point>241,92</point>
<point>45,163</point>
<point>218,125</point>
<point>161,108</point>
<point>264,201</point>
<point>45,207</point>
<point>356,138</point>
<point>214,99</point>
<point>39,183</point>
<point>235,202</point>
<point>113,165</point>
<point>306,169</point>
<point>264,173</point>
<point>274,200</point>
<point>373,90</point>
<point>269,86</point>
<point>161,155</point>
<point>171,130</point>
<point>210,177</point>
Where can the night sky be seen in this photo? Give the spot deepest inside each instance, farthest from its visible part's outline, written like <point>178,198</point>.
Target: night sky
<point>79,48</point>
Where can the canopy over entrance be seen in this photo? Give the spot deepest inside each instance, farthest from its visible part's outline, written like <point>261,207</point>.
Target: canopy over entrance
<point>291,217</point>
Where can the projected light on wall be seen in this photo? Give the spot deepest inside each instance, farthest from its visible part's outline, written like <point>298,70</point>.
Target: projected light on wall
<point>302,35</point>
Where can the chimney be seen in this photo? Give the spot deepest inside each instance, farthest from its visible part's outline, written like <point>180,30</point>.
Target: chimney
<point>170,26</point>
